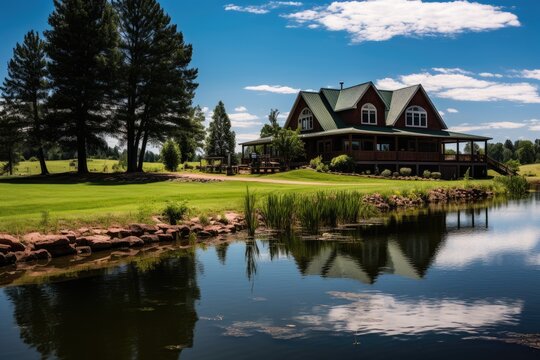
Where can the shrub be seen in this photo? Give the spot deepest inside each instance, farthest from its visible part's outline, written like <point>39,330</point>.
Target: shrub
<point>435,175</point>
<point>310,213</point>
<point>322,168</point>
<point>426,174</point>
<point>315,162</point>
<point>368,172</point>
<point>467,175</point>
<point>395,174</point>
<point>170,155</point>
<point>33,159</point>
<point>405,171</point>
<point>175,211</point>
<point>516,186</point>
<point>187,166</point>
<point>105,168</point>
<point>386,173</point>
<point>342,163</point>
<point>513,165</point>
<point>203,220</point>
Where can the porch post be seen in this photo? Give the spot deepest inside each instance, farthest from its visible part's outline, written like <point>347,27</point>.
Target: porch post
<point>472,151</point>
<point>243,154</point>
<point>485,151</point>
<point>350,144</point>
<point>457,150</point>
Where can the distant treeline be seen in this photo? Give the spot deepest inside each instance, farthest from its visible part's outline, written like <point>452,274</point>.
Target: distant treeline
<point>522,151</point>
<point>117,69</point>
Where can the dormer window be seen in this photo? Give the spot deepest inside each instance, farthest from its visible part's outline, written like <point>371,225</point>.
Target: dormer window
<point>305,121</point>
<point>369,114</point>
<point>416,116</point>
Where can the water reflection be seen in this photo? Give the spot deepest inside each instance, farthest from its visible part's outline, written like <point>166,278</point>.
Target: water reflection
<point>122,313</point>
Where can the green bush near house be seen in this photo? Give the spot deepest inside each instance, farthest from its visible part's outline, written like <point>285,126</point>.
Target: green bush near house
<point>426,174</point>
<point>386,173</point>
<point>436,175</point>
<point>405,171</point>
<point>316,162</point>
<point>342,163</point>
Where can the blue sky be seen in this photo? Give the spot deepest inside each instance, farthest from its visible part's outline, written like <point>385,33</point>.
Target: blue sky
<point>479,61</point>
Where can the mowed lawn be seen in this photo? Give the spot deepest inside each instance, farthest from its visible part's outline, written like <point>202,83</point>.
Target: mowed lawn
<point>531,172</point>
<point>26,204</point>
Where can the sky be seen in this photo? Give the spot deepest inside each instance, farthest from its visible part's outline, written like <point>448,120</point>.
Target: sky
<point>478,61</point>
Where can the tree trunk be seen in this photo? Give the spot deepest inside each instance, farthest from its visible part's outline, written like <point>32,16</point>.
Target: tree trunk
<point>10,161</point>
<point>131,150</point>
<point>143,151</point>
<point>42,164</point>
<point>82,166</point>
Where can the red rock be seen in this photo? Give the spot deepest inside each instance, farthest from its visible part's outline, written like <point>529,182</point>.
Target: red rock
<point>165,237</point>
<point>231,228</point>
<point>141,229</point>
<point>212,229</point>
<point>172,232</point>
<point>84,250</point>
<point>118,233</point>
<point>148,239</point>
<point>119,243</point>
<point>41,254</point>
<point>33,237</point>
<point>196,228</point>
<point>4,249</point>
<point>7,259</point>
<point>88,240</point>
<point>100,245</point>
<point>204,234</point>
<point>184,230</point>
<point>49,241</point>
<point>134,241</point>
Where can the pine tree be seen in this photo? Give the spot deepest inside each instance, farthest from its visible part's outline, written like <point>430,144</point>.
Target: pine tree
<point>157,85</point>
<point>82,48</point>
<point>25,91</point>
<point>220,140</point>
<point>273,128</point>
<point>10,139</point>
<point>170,155</point>
<point>191,137</point>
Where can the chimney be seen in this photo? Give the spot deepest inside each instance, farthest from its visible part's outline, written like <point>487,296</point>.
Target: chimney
<point>341,84</point>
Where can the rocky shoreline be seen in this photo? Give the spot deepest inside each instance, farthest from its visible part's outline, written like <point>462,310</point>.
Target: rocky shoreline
<point>85,241</point>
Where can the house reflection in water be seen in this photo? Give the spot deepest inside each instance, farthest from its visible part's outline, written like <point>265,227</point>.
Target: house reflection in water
<point>402,247</point>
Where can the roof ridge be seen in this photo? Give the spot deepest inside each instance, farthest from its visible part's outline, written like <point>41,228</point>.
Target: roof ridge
<point>350,87</point>
<point>403,88</point>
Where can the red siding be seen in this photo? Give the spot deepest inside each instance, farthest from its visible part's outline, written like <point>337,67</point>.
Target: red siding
<point>433,117</point>
<point>354,116</point>
<point>293,124</point>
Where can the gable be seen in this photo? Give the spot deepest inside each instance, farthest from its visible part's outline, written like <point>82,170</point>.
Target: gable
<point>371,96</point>
<point>420,98</point>
<point>325,118</point>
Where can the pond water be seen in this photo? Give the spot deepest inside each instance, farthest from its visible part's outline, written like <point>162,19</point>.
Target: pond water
<point>436,284</point>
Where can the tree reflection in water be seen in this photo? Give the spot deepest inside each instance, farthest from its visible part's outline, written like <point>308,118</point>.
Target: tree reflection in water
<point>133,314</point>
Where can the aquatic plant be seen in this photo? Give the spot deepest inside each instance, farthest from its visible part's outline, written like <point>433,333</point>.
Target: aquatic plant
<point>309,213</point>
<point>278,211</point>
<point>250,212</point>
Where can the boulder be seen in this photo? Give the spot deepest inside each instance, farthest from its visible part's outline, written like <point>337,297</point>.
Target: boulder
<point>33,237</point>
<point>7,259</point>
<point>212,229</point>
<point>204,234</point>
<point>4,249</point>
<point>184,230</point>
<point>172,232</point>
<point>95,242</point>
<point>84,250</point>
<point>118,233</point>
<point>119,243</point>
<point>231,228</point>
<point>149,239</point>
<point>196,228</point>
<point>165,237</point>
<point>11,241</point>
<point>134,241</point>
<point>141,229</point>
<point>35,255</point>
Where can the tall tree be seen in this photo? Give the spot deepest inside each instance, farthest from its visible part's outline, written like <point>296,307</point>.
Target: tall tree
<point>191,137</point>
<point>220,140</point>
<point>273,127</point>
<point>289,145</point>
<point>10,139</point>
<point>25,91</point>
<point>83,51</point>
<point>157,85</point>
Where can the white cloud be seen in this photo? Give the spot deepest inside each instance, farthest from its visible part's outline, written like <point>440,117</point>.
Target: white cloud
<point>500,125</point>
<point>534,124</point>
<point>452,110</point>
<point>244,120</point>
<point>441,113</point>
<point>451,71</point>
<point>379,313</point>
<point>276,89</point>
<point>240,109</point>
<point>261,9</point>
<point>379,20</point>
<point>490,75</point>
<point>531,74</point>
<point>457,85</point>
<point>283,115</point>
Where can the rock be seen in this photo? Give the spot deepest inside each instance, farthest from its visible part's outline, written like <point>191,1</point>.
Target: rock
<point>141,229</point>
<point>96,242</point>
<point>212,229</point>
<point>184,230</point>
<point>118,233</point>
<point>119,243</point>
<point>134,241</point>
<point>165,237</point>
<point>4,249</point>
<point>7,259</point>
<point>224,230</point>
<point>33,237</point>
<point>84,231</point>
<point>41,254</point>
<point>204,234</point>
<point>11,241</point>
<point>172,232</point>
<point>100,245</point>
<point>149,239</point>
<point>196,228</point>
<point>231,228</point>
<point>51,241</point>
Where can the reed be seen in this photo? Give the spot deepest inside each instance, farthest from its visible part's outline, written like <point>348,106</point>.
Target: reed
<point>328,208</point>
<point>279,210</point>
<point>309,213</point>
<point>515,186</point>
<point>250,212</point>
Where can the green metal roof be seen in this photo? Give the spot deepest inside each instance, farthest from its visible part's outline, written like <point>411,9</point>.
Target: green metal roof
<point>386,96</point>
<point>322,111</point>
<point>399,100</point>
<point>382,131</point>
<point>349,97</point>
<point>331,96</point>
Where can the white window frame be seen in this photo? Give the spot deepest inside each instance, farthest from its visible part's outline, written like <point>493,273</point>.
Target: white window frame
<point>370,109</point>
<point>417,116</point>
<point>305,120</point>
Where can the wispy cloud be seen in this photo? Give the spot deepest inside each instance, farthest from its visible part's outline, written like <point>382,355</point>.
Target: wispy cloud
<point>243,119</point>
<point>452,110</point>
<point>240,109</point>
<point>380,20</point>
<point>459,85</point>
<point>500,125</point>
<point>490,75</point>
<point>262,9</point>
<point>534,124</point>
<point>276,89</point>
<point>531,74</point>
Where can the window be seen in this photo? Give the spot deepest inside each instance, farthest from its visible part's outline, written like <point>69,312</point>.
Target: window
<point>369,114</point>
<point>305,121</point>
<point>416,116</point>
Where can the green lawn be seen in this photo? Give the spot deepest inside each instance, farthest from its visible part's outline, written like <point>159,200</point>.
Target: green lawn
<point>29,205</point>
<point>531,172</point>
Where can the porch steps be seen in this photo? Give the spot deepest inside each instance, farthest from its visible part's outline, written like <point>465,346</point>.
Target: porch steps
<point>499,167</point>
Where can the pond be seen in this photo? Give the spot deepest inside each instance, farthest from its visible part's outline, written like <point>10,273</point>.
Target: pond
<point>434,284</point>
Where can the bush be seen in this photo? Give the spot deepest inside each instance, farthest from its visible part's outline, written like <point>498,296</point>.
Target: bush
<point>516,186</point>
<point>342,163</point>
<point>204,220</point>
<point>170,155</point>
<point>368,172</point>
<point>405,171</point>
<point>322,168</point>
<point>512,164</point>
<point>395,174</point>
<point>435,175</point>
<point>175,211</point>
<point>315,162</point>
<point>33,159</point>
<point>187,166</point>
<point>426,174</point>
<point>386,173</point>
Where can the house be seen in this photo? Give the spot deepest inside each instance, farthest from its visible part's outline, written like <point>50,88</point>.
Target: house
<point>380,129</point>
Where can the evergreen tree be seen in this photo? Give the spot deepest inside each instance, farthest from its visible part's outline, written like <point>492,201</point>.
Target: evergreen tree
<point>525,152</point>
<point>495,151</point>
<point>25,91</point>
<point>82,48</point>
<point>220,140</point>
<point>10,139</point>
<point>170,155</point>
<point>509,145</point>
<point>273,128</point>
<point>191,137</point>
<point>157,86</point>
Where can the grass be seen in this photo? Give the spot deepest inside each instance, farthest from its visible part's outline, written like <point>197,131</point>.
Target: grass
<point>531,172</point>
<point>70,203</point>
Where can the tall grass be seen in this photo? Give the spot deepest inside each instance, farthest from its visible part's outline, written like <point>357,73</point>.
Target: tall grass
<point>310,213</point>
<point>515,186</point>
<point>250,212</point>
<point>278,211</point>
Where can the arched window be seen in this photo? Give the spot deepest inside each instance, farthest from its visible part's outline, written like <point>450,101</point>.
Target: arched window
<point>305,121</point>
<point>369,114</point>
<point>416,116</point>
